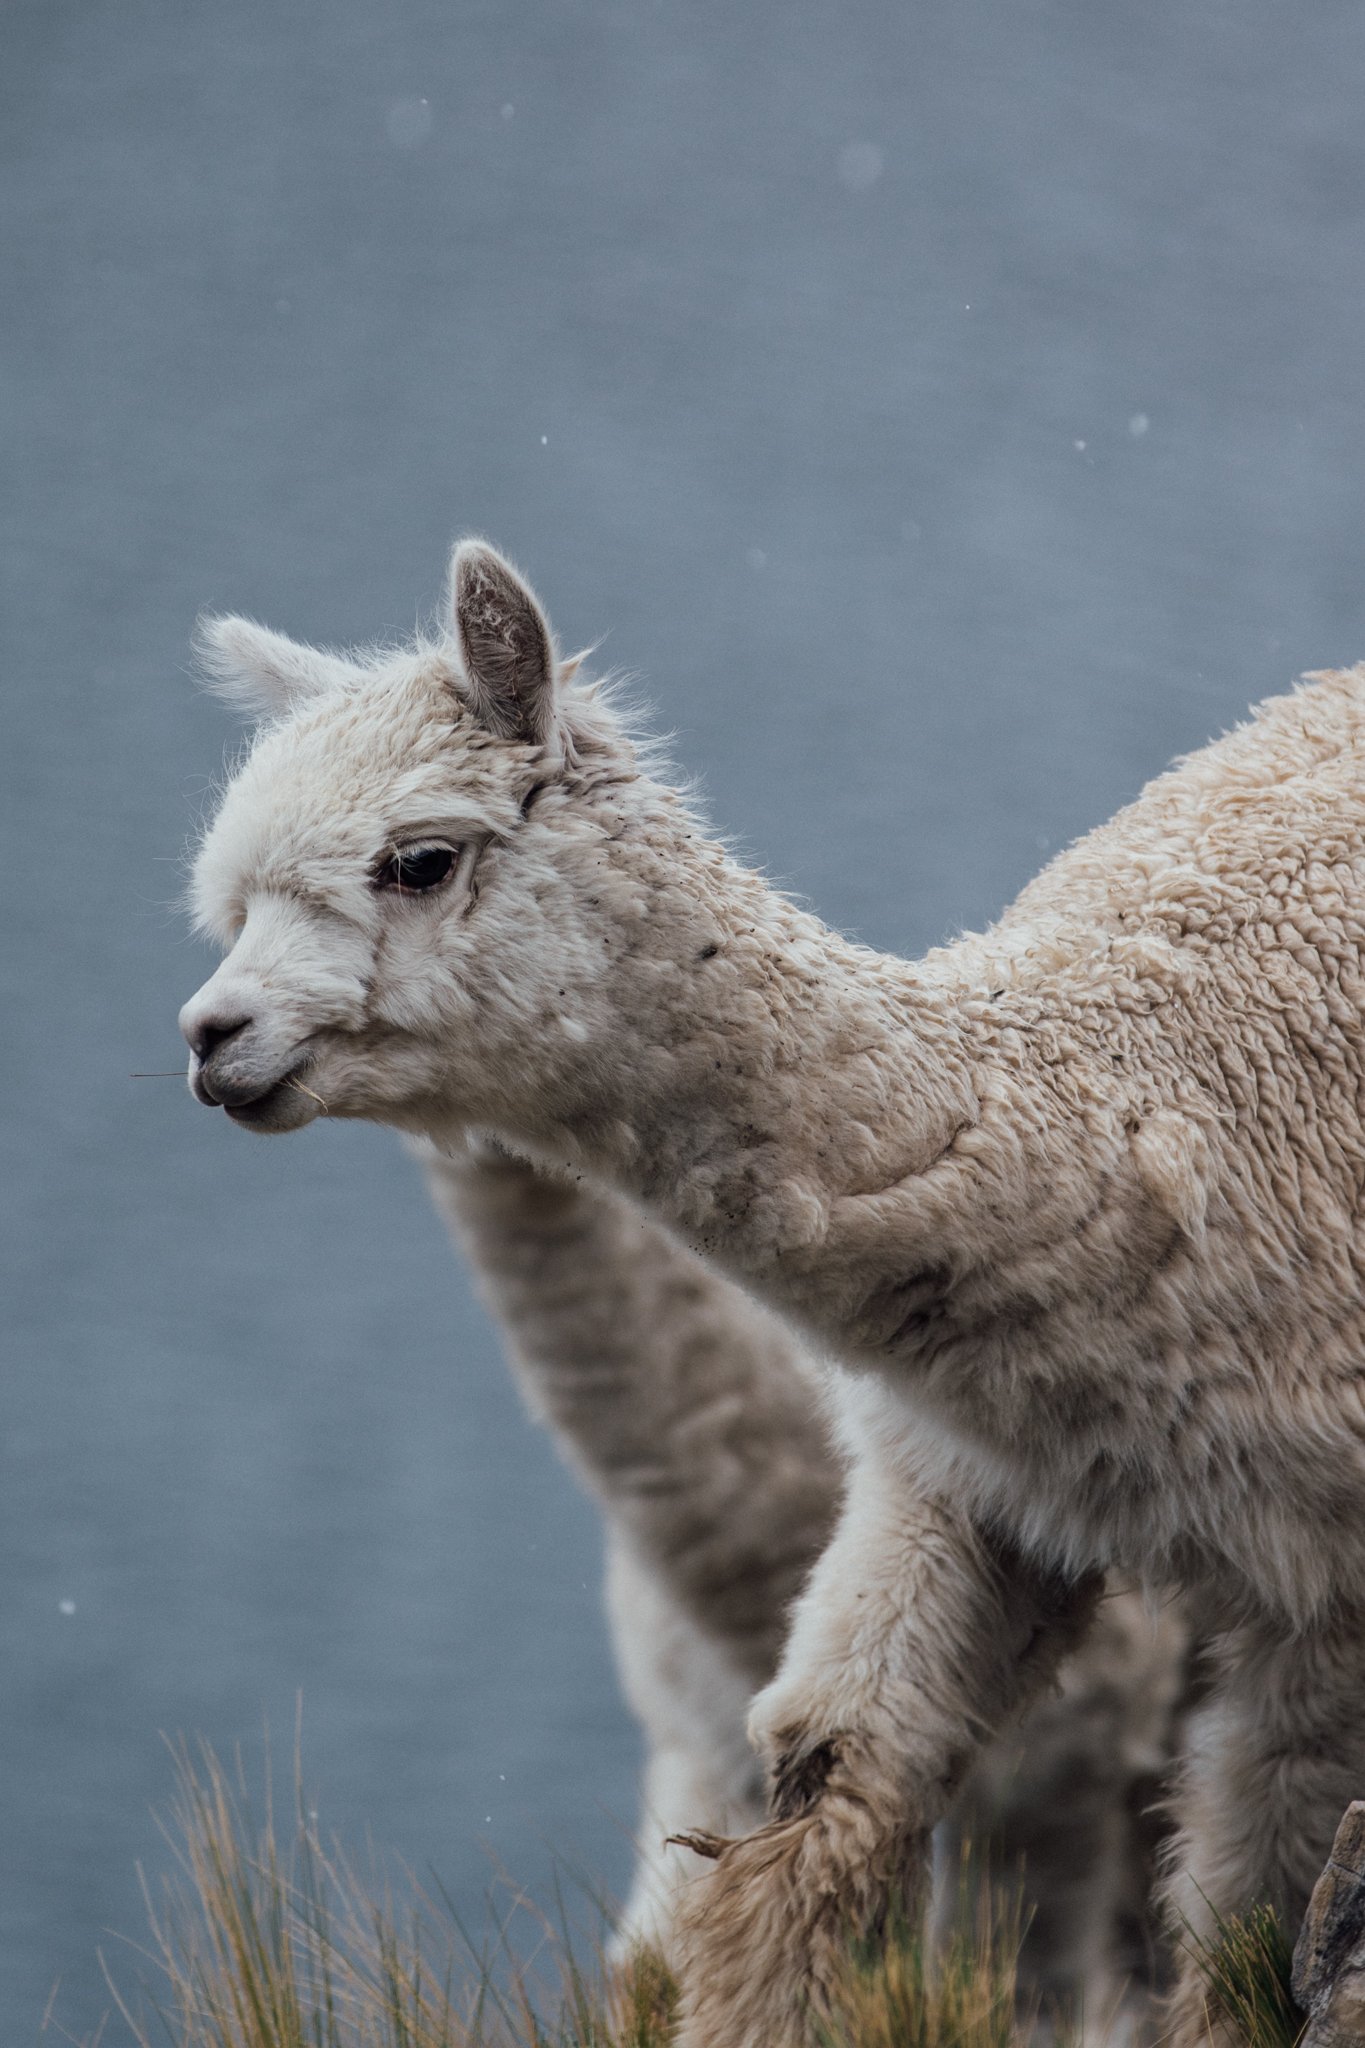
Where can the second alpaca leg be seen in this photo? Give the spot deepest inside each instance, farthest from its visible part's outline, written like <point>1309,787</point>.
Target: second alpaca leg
<point>917,1638</point>
<point>691,1703</point>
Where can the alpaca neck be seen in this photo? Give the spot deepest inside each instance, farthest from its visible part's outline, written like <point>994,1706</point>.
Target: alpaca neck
<point>757,1082</point>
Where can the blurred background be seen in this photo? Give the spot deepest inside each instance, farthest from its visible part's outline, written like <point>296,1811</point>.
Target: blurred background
<point>949,412</point>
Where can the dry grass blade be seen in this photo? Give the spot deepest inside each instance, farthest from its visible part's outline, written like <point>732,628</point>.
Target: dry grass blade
<point>312,1093</point>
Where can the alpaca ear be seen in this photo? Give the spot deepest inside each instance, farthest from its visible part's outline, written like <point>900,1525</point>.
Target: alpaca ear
<point>260,672</point>
<point>505,646</point>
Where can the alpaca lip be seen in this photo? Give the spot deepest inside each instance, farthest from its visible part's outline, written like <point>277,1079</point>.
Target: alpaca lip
<point>246,1112</point>
<point>199,1087</point>
<point>253,1107</point>
<point>240,1104</point>
<point>219,1094</point>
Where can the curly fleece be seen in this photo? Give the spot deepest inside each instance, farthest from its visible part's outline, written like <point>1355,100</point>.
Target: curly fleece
<point>1074,1204</point>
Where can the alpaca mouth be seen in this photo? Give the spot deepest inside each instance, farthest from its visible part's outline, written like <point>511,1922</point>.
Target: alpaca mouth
<point>275,1106</point>
<point>286,1105</point>
<point>261,1106</point>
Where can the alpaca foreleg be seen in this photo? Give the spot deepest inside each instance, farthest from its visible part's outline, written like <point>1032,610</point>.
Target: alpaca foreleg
<point>1275,1756</point>
<point>916,1639</point>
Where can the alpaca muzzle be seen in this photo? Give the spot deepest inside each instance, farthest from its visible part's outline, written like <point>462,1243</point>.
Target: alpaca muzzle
<point>234,1067</point>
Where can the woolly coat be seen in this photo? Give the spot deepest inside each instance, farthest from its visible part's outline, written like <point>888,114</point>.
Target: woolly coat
<point>1076,1205</point>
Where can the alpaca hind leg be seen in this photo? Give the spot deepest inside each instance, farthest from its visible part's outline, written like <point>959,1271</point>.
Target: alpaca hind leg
<point>1275,1756</point>
<point>1066,1812</point>
<point>915,1640</point>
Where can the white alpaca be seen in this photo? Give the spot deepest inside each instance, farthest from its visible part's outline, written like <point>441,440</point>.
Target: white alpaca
<point>691,1415</point>
<point>1076,1204</point>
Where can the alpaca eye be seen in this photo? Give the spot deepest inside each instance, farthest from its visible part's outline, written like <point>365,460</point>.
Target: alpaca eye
<point>417,868</point>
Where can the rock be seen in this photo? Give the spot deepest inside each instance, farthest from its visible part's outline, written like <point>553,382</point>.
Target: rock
<point>1329,1957</point>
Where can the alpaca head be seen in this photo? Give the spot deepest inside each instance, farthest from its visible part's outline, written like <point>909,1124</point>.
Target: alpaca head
<point>400,871</point>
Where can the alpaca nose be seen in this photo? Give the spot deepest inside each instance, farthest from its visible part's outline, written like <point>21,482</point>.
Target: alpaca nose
<point>204,1035</point>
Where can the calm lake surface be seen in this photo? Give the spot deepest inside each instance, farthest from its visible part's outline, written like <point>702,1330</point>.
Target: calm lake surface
<point>949,413</point>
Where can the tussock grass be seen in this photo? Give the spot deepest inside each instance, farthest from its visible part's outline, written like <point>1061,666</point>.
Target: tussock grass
<point>1246,1964</point>
<point>265,1937</point>
<point>962,1992</point>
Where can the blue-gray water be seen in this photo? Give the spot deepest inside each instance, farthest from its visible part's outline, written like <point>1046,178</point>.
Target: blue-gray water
<point>950,411</point>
